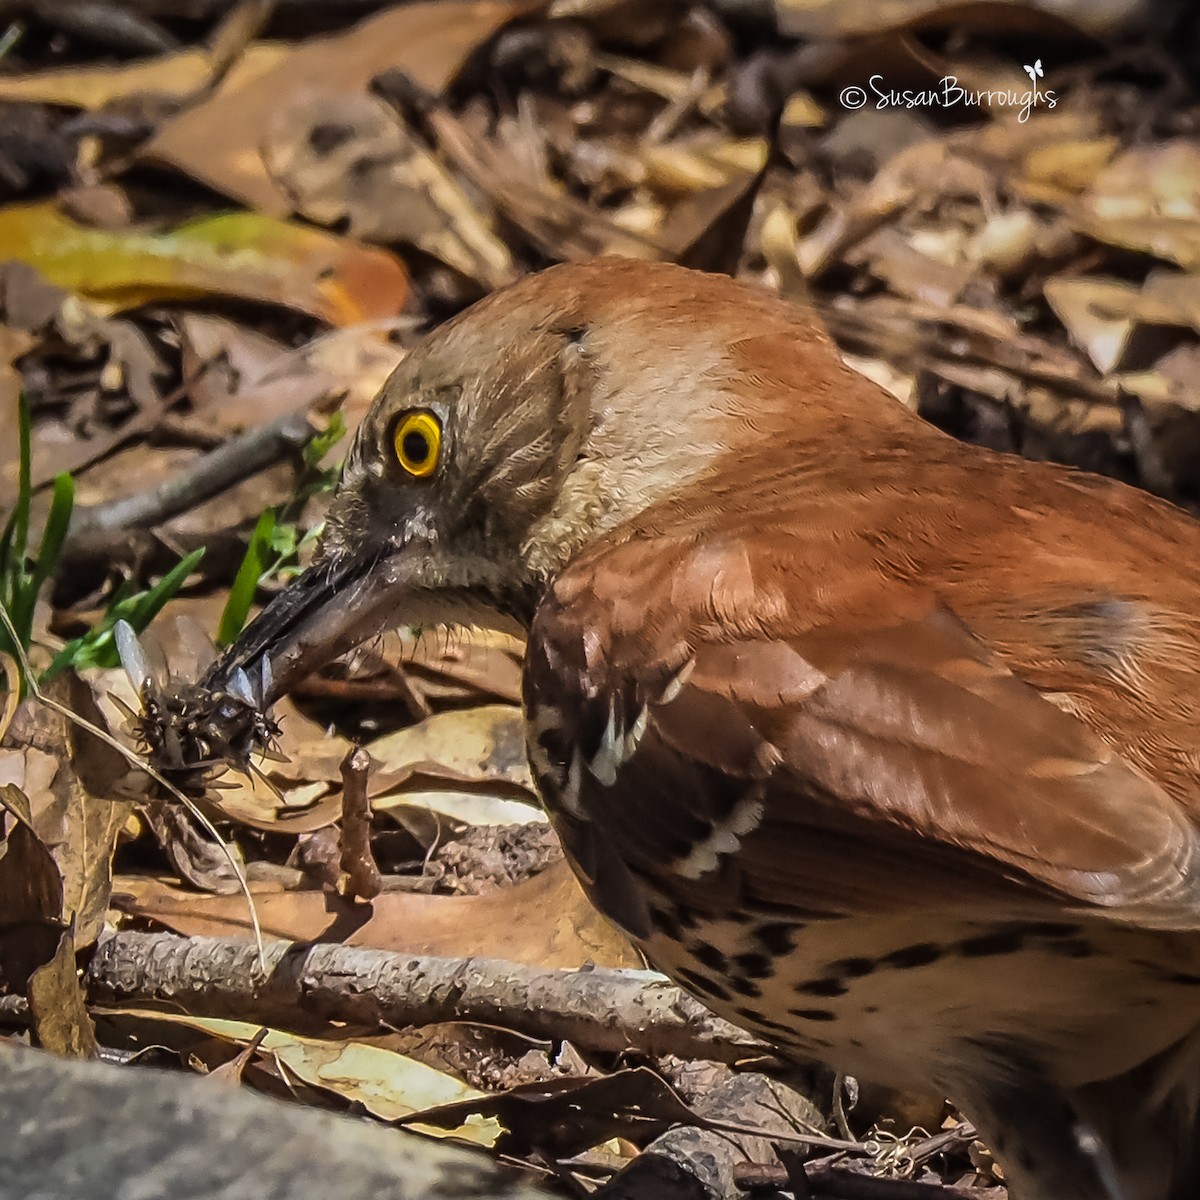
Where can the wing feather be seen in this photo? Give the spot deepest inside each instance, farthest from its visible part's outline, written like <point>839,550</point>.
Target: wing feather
<point>864,771</point>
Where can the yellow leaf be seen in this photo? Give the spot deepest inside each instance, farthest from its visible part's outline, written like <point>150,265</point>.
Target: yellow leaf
<point>386,1084</point>
<point>240,254</point>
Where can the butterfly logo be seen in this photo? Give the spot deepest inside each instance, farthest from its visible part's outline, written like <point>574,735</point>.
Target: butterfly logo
<point>1034,72</point>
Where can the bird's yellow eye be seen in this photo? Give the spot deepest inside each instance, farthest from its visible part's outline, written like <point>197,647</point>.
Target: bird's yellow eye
<point>418,442</point>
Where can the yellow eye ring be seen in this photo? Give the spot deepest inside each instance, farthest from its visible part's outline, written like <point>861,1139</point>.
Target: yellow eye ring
<point>417,439</point>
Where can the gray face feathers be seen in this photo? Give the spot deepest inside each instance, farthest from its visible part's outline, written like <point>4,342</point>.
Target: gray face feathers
<point>511,408</point>
<point>554,413</point>
<point>565,405</point>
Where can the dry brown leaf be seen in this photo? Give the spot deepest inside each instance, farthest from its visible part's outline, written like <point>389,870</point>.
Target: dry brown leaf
<point>1057,171</point>
<point>31,894</point>
<point>243,378</point>
<point>9,701</point>
<point>920,271</point>
<point>13,344</point>
<point>351,159</point>
<point>1174,380</point>
<point>249,378</point>
<point>387,1084</point>
<point>681,168</point>
<point>1008,243</point>
<point>553,220</point>
<point>545,921</point>
<point>240,254</point>
<point>60,1017</point>
<point>465,806</point>
<point>1148,199</point>
<point>220,140</point>
<point>1101,314</point>
<point>472,745</point>
<point>81,831</point>
<point>849,18</point>
<point>904,179</point>
<point>75,817</point>
<point>26,767</point>
<point>169,75</point>
<point>980,349</point>
<point>473,662</point>
<point>274,808</point>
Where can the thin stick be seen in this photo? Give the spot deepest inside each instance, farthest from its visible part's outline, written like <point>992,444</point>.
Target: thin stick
<point>209,476</point>
<point>360,873</point>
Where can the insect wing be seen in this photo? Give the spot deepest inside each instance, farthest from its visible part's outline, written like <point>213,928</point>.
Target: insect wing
<point>134,660</point>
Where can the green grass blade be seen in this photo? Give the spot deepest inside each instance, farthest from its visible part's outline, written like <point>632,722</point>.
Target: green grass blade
<point>20,543</point>
<point>18,588</point>
<point>245,585</point>
<point>96,648</point>
<point>55,533</point>
<point>150,603</point>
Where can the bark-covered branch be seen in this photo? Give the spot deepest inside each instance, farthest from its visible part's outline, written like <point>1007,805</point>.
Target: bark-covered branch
<point>600,1009</point>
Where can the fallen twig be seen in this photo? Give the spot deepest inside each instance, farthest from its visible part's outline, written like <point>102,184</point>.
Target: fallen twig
<point>600,1008</point>
<point>361,879</point>
<point>208,476</point>
<point>93,450</point>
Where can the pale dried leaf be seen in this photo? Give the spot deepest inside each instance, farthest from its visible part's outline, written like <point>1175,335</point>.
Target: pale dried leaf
<point>170,75</point>
<point>220,140</point>
<point>386,1084</point>
<point>544,921</point>
<point>474,745</point>
<point>1149,199</point>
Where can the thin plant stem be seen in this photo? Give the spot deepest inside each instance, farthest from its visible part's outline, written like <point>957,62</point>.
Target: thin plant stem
<point>142,765</point>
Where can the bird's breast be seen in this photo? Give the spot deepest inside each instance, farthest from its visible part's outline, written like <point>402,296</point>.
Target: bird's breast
<point>910,1001</point>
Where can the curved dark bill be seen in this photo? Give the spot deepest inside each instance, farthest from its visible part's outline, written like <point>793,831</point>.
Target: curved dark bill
<point>329,609</point>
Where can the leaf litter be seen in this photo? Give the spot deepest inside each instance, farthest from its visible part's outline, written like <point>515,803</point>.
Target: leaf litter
<point>216,247</point>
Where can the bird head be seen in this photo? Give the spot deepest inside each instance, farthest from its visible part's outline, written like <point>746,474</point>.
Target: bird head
<point>537,421</point>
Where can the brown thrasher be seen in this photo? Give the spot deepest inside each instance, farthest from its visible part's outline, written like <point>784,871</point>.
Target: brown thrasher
<point>883,745</point>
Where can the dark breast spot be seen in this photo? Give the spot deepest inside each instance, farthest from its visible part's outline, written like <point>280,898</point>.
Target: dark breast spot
<point>919,955</point>
<point>709,955</point>
<point>702,985</point>
<point>777,938</point>
<point>775,1028</point>
<point>754,1017</point>
<point>823,987</point>
<point>813,1014</point>
<point>1005,941</point>
<point>1052,929</point>
<point>754,966</point>
<point>666,924</point>
<point>852,968</point>
<point>746,987</point>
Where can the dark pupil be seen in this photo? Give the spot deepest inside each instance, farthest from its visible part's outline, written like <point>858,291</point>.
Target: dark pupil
<point>416,447</point>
